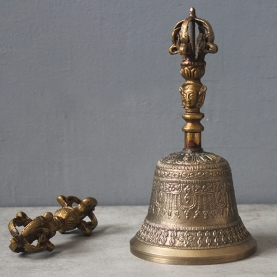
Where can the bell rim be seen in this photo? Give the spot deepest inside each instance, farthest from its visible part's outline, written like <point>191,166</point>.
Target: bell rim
<point>193,256</point>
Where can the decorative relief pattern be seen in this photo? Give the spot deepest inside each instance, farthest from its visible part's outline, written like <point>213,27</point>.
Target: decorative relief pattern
<point>182,192</point>
<point>183,158</point>
<point>192,174</point>
<point>193,199</point>
<point>192,238</point>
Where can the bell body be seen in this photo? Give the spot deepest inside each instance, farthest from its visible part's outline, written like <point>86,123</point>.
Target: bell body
<point>192,216</point>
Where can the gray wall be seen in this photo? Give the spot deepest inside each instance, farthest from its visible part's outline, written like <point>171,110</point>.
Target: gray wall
<point>89,97</point>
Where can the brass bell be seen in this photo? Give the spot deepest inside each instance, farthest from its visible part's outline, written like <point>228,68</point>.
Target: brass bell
<point>192,216</point>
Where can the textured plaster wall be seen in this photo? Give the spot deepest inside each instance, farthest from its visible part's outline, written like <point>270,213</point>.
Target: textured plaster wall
<point>89,98</point>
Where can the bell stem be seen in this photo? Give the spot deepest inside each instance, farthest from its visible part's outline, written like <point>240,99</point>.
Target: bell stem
<point>193,129</point>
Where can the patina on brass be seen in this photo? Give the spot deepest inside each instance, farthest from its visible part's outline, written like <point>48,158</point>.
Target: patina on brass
<point>42,228</point>
<point>192,216</point>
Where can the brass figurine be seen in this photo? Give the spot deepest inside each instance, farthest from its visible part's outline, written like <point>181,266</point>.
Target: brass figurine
<point>192,216</point>
<point>42,228</point>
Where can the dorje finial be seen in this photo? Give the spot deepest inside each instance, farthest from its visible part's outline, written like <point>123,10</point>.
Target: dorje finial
<point>182,42</point>
<point>193,53</point>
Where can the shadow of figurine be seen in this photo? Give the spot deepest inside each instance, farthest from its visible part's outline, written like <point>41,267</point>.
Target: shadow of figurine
<point>42,228</point>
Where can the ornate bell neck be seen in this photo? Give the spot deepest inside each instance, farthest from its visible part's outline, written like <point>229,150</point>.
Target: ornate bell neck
<point>193,65</point>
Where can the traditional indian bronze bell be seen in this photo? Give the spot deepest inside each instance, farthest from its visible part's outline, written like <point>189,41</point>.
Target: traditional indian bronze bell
<point>192,216</point>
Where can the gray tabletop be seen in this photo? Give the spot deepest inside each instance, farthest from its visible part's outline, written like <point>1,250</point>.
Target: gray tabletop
<point>106,252</point>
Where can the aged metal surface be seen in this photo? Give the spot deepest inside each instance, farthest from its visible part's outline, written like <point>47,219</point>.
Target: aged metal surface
<point>42,228</point>
<point>192,216</point>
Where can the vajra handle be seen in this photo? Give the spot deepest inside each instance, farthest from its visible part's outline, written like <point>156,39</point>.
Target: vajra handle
<point>193,65</point>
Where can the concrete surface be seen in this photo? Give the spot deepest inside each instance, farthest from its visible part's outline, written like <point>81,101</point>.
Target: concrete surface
<point>106,251</point>
<point>89,98</point>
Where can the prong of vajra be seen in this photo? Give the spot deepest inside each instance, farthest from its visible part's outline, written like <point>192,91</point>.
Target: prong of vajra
<point>43,228</point>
